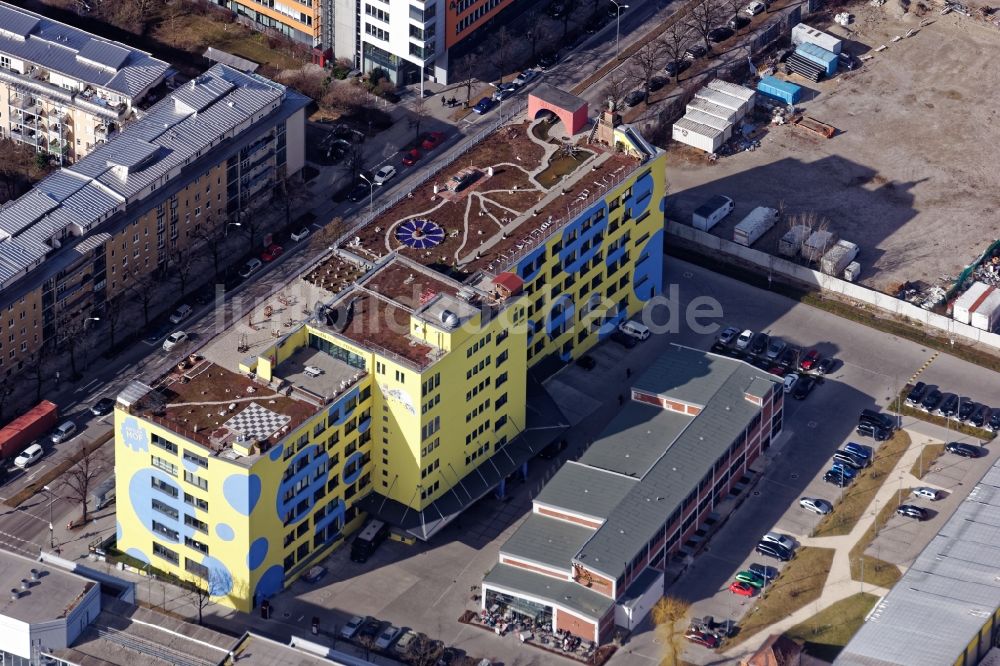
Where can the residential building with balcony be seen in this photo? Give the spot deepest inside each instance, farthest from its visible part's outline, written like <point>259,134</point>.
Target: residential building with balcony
<point>299,20</point>
<point>213,149</point>
<point>592,553</point>
<point>64,91</point>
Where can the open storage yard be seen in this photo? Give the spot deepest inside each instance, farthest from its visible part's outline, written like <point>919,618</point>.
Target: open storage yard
<point>910,175</point>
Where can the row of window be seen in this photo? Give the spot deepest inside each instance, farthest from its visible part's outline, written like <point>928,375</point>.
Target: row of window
<point>481,451</point>
<point>430,383</point>
<point>477,431</point>
<point>479,13</point>
<point>476,369</point>
<point>478,344</point>
<point>477,410</point>
<point>377,13</point>
<point>469,395</point>
<point>376,32</point>
<point>430,468</point>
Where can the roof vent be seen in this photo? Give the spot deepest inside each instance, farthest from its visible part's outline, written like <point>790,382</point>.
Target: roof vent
<point>35,574</point>
<point>449,319</point>
<point>14,594</point>
<point>25,583</point>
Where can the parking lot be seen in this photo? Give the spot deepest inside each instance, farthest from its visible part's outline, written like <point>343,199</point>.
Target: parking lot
<point>908,175</point>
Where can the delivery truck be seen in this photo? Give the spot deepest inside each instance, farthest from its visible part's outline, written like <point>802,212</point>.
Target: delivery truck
<point>22,431</point>
<point>970,300</point>
<point>754,225</point>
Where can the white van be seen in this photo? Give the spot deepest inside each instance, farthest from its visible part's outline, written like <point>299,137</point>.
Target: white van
<point>635,329</point>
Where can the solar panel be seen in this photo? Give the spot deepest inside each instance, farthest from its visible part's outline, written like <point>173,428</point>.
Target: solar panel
<point>104,54</point>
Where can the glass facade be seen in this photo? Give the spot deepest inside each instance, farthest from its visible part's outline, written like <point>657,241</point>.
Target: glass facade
<point>522,609</point>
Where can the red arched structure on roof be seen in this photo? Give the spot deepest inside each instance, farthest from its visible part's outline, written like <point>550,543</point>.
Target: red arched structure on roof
<point>570,109</point>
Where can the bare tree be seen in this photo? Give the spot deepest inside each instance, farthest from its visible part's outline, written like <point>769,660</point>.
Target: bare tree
<point>113,313</point>
<point>418,113</point>
<point>202,592</point>
<point>569,8</point>
<point>616,89</point>
<point>424,652</point>
<point>643,66</point>
<point>71,331</point>
<point>673,42</point>
<point>733,9</point>
<point>211,237</point>
<point>36,365</point>
<point>8,387</point>
<point>539,31</point>
<point>667,612</point>
<point>466,73</point>
<point>498,48</point>
<point>703,16</point>
<point>181,261</point>
<point>80,478</point>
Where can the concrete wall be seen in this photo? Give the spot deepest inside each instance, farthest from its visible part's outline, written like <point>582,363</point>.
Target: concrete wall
<point>834,285</point>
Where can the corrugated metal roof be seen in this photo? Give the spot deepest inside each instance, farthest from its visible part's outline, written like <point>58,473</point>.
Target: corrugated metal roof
<point>585,490</point>
<point>711,109</point>
<point>546,541</point>
<point>708,120</point>
<point>740,92</point>
<point>953,583</point>
<point>688,125</point>
<point>565,593</point>
<point>720,98</point>
<point>72,52</point>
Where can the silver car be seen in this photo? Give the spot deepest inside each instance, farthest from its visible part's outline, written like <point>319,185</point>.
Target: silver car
<point>387,636</point>
<point>818,506</point>
<point>927,493</point>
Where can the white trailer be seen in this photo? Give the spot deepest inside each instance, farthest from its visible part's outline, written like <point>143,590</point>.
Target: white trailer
<point>722,99</point>
<point>966,303</point>
<point>852,272</point>
<point>754,225</point>
<point>699,136</point>
<point>746,94</point>
<point>817,244</point>
<point>804,34</point>
<point>838,257</point>
<point>711,109</point>
<point>987,314</point>
<point>791,243</point>
<point>711,212</point>
<point>711,121</point>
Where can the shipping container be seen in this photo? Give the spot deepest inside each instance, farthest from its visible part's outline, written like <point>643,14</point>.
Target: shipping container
<point>712,109</point>
<point>987,314</point>
<point>803,34</point>
<point>754,225</point>
<point>733,90</point>
<point>709,213</point>
<point>852,272</point>
<point>711,121</point>
<point>722,99</point>
<point>22,431</point>
<point>699,136</point>
<point>817,244</point>
<point>791,243</point>
<point>826,59</point>
<point>775,88</point>
<point>838,257</point>
<point>969,301</point>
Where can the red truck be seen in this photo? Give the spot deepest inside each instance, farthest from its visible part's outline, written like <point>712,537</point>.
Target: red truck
<point>22,431</point>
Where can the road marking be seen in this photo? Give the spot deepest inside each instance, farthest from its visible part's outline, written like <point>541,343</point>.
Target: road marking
<point>924,366</point>
<point>812,424</point>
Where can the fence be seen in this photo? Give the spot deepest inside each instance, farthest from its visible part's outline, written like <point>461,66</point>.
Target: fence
<point>834,285</point>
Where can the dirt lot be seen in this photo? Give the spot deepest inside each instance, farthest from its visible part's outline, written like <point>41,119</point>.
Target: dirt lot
<point>911,175</point>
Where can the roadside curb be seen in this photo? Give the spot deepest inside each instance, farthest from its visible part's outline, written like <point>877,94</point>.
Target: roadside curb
<point>32,488</point>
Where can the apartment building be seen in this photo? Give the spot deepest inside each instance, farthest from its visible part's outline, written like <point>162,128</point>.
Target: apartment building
<point>300,20</point>
<point>593,551</point>
<point>64,91</point>
<point>212,149</point>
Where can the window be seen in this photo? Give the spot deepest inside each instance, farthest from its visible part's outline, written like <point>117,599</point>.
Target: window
<point>380,367</point>
<point>196,502</point>
<point>377,13</point>
<point>199,570</point>
<point>165,509</point>
<point>199,525</point>
<point>165,553</point>
<point>160,528</point>
<point>196,480</point>
<point>164,487</point>
<point>197,545</point>
<point>196,459</point>
<point>430,427</point>
<point>400,377</point>
<point>376,32</point>
<point>163,443</point>
<point>164,465</point>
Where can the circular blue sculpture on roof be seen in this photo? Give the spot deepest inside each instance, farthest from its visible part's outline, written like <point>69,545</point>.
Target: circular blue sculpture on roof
<point>420,234</point>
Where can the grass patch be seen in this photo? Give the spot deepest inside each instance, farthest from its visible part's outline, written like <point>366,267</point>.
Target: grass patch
<point>826,633</point>
<point>921,465</point>
<point>874,570</point>
<point>860,494</point>
<point>800,584</point>
<point>942,421</point>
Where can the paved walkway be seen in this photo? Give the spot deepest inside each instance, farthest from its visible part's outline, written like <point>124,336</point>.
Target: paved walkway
<point>839,583</point>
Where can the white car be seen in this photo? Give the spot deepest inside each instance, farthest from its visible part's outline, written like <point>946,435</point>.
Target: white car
<point>174,339</point>
<point>352,626</point>
<point>927,493</point>
<point>250,268</point>
<point>182,313</point>
<point>300,234</point>
<point>387,636</point>
<point>29,456</point>
<point>790,381</point>
<point>634,329</point>
<point>756,7</point>
<point>743,341</point>
<point>405,642</point>
<point>819,506</point>
<point>780,539</point>
<point>525,77</point>
<point>385,174</point>
<point>64,432</point>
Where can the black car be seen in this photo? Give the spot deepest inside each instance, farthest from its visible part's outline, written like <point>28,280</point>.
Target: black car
<point>980,416</point>
<point>966,407</point>
<point>625,340</point>
<point>675,67</point>
<point>738,22</point>
<point>546,60</point>
<point>657,82</point>
<point>932,400</point>
<point>370,629</point>
<point>789,358</point>
<point>824,366</point>
<point>916,393</point>
<point>359,192</point>
<point>552,450</point>
<point>102,407</point>
<point>586,362</point>
<point>774,551</point>
<point>949,406</point>
<point>878,433</point>
<point>635,97</point>
<point>877,418</point>
<point>758,344</point>
<point>994,422</point>
<point>911,511</point>
<point>837,479</point>
<point>695,51</point>
<point>849,460</point>
<point>764,571</point>
<point>803,387</point>
<point>720,34</point>
<point>962,449</point>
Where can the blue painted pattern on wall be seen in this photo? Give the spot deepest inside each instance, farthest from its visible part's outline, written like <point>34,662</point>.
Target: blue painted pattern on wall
<point>317,460</point>
<point>561,312</point>
<point>642,191</point>
<point>134,436</point>
<point>258,553</point>
<point>336,514</point>
<point>572,256</point>
<point>647,280</point>
<point>352,468</point>
<point>528,267</point>
<point>242,492</point>
<point>138,554</point>
<point>275,454</point>
<point>338,414</point>
<point>269,584</point>
<point>225,532</point>
<point>220,579</point>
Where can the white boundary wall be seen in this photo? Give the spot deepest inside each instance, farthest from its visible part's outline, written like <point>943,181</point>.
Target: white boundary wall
<point>834,285</point>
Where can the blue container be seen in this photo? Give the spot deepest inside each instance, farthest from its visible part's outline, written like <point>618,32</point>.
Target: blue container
<point>820,56</point>
<point>775,88</point>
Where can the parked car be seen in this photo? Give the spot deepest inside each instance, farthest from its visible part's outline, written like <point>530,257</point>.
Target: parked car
<point>586,362</point>
<point>525,77</point>
<point>782,540</point>
<point>720,34</point>
<point>360,190</point>
<point>880,419</point>
<point>181,313</point>
<point>878,433</point>
<point>818,506</point>
<point>803,387</point>
<point>703,638</point>
<point>744,339</point>
<point>405,642</point>
<point>63,432</point>
<point>635,329</point>
<point>768,573</point>
<point>410,157</point>
<point>728,335</point>
<point>788,358</point>
<point>432,140</point>
<point>949,406</point>
<point>626,341</point>
<point>859,451</point>
<point>966,406</point>
<point>738,22</point>
<point>809,361</point>
<point>755,8</point>
<point>484,105</point>
<point>384,175</point>
<point>299,235</point>
<point>963,449</point>
<point>837,479</point>
<point>742,589</point>
<point>759,343</point>
<point>29,456</point>
<point>675,67</point>
<point>916,394</point>
<point>932,494</point>
<point>911,511</point>
<point>932,400</point>
<point>657,82</point>
<point>751,578</point>
<point>993,425</point>
<point>846,457</point>
<point>980,416</point>
<point>370,628</point>
<point>272,252</point>
<point>102,407</point>
<point>845,469</point>
<point>174,339</point>
<point>250,267</point>
<point>635,97</point>
<point>773,551</point>
<point>504,90</point>
<point>387,636</point>
<point>695,51</point>
<point>547,60</point>
<point>825,366</point>
<point>790,381</point>
<point>350,628</point>
<point>775,348</point>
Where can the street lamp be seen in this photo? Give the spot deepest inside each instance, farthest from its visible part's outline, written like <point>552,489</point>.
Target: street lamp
<point>52,536</point>
<point>90,319</point>
<point>231,224</point>
<point>371,193</point>
<point>618,26</point>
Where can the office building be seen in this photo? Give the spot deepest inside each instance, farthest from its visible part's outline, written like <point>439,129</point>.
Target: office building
<point>64,91</point>
<point>299,20</point>
<point>77,241</point>
<point>593,551</point>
